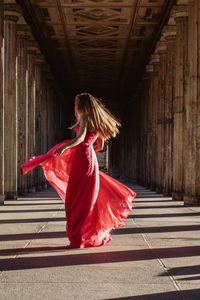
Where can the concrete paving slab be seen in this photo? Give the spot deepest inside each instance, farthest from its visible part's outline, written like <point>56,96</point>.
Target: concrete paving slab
<point>155,256</point>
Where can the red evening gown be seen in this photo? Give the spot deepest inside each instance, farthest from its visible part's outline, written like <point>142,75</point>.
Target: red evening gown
<point>95,203</point>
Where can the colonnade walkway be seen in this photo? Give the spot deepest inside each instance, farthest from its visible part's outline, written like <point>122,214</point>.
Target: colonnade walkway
<point>155,256</point>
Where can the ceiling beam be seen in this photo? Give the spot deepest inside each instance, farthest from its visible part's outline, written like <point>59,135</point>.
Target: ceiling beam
<point>69,53</point>
<point>100,22</point>
<point>102,6</point>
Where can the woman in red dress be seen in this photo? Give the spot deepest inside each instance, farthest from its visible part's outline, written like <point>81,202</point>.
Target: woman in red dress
<point>95,203</point>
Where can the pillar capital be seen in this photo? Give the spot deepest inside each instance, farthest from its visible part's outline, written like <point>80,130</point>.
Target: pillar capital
<point>47,71</point>
<point>145,76</point>
<point>169,32</point>
<point>32,46</point>
<point>155,58</point>
<point>40,59</point>
<point>149,68</point>
<point>30,35</point>
<point>179,13</point>
<point>161,47</point>
<point>22,31</point>
<point>12,12</point>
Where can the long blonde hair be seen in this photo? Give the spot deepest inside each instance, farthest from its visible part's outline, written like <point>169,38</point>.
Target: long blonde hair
<point>100,119</point>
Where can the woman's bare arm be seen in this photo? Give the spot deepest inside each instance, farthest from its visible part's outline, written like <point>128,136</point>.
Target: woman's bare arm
<point>72,126</point>
<point>78,139</point>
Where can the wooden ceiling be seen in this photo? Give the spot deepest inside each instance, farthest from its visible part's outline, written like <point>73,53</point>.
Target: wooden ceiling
<point>102,45</point>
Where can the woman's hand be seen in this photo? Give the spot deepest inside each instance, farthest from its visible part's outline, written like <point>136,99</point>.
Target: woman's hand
<point>60,150</point>
<point>72,126</point>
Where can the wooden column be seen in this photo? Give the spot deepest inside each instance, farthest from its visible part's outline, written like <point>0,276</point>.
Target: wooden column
<point>47,106</point>
<point>149,96</point>
<point>143,96</point>
<point>169,33</point>
<point>22,107</point>
<point>55,114</point>
<point>180,14</point>
<point>197,192</point>
<point>44,117</point>
<point>155,82</point>
<point>148,117</point>
<point>38,116</point>
<point>31,94</point>
<point>130,139</point>
<point>146,84</point>
<point>11,15</point>
<point>192,109</point>
<point>50,137</point>
<point>54,101</point>
<point>162,51</point>
<point>1,109</point>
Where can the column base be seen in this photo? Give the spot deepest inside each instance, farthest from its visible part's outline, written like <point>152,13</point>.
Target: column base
<point>11,195</point>
<point>167,193</point>
<point>191,200</point>
<point>159,190</point>
<point>22,192</point>
<point>39,188</point>
<point>177,196</point>
<point>152,187</point>
<point>2,198</point>
<point>32,190</point>
<point>44,186</point>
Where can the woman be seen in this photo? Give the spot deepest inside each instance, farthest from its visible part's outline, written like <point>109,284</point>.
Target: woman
<point>95,203</point>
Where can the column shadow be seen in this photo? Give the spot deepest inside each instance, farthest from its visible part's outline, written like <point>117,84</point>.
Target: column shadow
<point>61,234</point>
<point>31,262</point>
<point>175,295</point>
<point>186,270</point>
<point>32,210</point>
<point>31,204</point>
<point>165,215</point>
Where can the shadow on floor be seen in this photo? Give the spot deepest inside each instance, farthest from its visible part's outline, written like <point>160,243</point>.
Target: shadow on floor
<point>175,295</point>
<point>158,206</point>
<point>21,263</point>
<point>62,234</point>
<point>36,220</point>
<point>32,210</point>
<point>156,229</point>
<point>37,198</point>
<point>31,204</point>
<point>166,215</point>
<point>187,270</point>
<point>146,195</point>
<point>155,201</point>
<point>33,236</point>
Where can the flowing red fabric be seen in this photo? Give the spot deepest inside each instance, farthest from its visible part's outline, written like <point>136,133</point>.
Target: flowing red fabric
<point>95,203</point>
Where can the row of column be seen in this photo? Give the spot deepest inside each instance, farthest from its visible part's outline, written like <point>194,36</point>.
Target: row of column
<point>169,100</point>
<point>162,79</point>
<point>30,106</point>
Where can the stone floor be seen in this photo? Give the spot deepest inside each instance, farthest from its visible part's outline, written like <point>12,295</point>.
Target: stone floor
<point>155,256</point>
